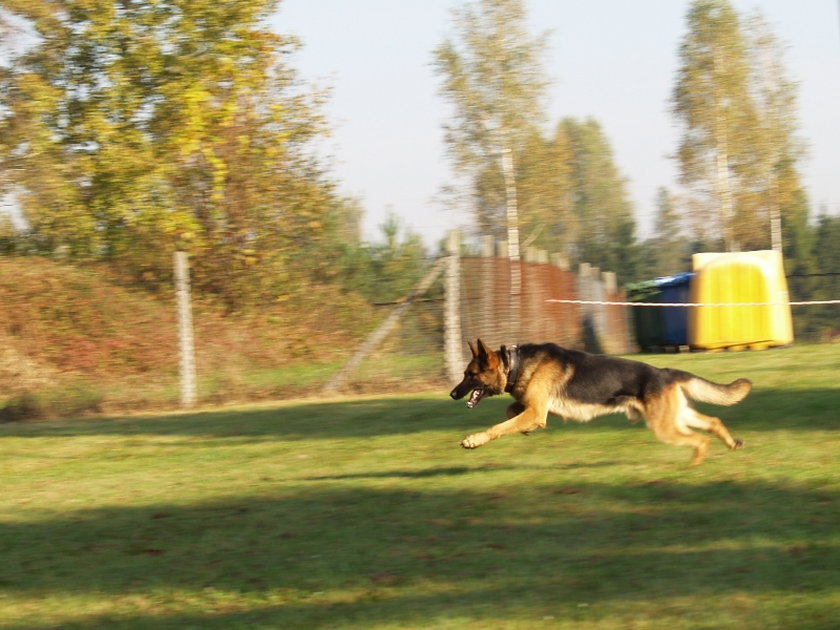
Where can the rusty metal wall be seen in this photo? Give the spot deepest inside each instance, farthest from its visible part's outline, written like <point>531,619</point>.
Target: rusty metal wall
<point>491,311</point>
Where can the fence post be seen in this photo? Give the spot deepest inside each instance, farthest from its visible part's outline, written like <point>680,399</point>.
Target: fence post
<point>561,261</point>
<point>452,308</point>
<point>185,330</point>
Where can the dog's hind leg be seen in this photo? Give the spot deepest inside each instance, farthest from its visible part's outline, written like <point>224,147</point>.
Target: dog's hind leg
<point>697,420</point>
<point>514,409</point>
<point>666,431</point>
<point>699,443</point>
<point>526,420</point>
<point>663,418</point>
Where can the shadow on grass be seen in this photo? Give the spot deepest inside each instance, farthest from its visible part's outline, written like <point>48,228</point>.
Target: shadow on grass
<point>452,471</point>
<point>447,471</point>
<point>326,557</point>
<point>762,410</point>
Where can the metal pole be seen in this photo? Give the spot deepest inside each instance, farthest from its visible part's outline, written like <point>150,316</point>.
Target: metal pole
<point>452,308</point>
<point>185,330</point>
<point>512,215</point>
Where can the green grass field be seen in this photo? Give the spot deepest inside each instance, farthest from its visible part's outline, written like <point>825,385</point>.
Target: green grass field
<point>365,513</point>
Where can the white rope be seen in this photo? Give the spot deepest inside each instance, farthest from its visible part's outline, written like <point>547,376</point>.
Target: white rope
<point>684,304</point>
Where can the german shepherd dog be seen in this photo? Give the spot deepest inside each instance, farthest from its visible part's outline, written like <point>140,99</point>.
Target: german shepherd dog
<point>548,379</point>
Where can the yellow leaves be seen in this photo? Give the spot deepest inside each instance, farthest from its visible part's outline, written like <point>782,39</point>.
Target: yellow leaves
<point>219,172</point>
<point>228,111</point>
<point>195,101</point>
<point>143,126</point>
<point>38,94</point>
<point>249,257</point>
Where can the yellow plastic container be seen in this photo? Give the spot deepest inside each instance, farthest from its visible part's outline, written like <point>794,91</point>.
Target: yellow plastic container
<point>754,282</point>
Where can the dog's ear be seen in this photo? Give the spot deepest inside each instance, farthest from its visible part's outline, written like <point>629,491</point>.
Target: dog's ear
<point>486,355</point>
<point>472,349</point>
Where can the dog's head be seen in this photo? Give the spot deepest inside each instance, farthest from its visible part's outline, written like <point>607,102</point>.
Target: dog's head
<point>484,375</point>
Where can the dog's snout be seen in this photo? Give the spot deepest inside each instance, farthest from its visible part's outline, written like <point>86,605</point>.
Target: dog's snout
<point>459,392</point>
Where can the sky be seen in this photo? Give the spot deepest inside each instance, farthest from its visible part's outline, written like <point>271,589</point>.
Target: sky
<point>611,60</point>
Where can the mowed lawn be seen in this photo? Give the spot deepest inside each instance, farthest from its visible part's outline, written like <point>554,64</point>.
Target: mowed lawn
<point>365,513</point>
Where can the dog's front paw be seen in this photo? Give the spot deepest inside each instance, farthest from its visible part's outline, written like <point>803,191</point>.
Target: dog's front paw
<point>475,440</point>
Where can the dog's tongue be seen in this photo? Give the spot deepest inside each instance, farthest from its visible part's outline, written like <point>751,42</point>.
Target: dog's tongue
<point>475,397</point>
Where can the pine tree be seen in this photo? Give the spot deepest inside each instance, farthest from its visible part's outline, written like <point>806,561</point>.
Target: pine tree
<point>821,319</point>
<point>668,244</point>
<point>607,232</point>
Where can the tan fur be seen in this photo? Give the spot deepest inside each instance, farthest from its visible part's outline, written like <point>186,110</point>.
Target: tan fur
<point>540,390</point>
<point>704,391</point>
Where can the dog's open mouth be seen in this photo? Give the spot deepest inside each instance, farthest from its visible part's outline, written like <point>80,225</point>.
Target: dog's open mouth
<point>475,396</point>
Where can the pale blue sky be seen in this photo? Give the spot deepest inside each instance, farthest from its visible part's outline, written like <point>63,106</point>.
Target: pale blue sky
<point>612,60</point>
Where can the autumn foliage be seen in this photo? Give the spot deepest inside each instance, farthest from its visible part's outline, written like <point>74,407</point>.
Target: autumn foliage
<point>77,328</point>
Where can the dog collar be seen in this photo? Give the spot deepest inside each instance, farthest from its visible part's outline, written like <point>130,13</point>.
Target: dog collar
<point>511,358</point>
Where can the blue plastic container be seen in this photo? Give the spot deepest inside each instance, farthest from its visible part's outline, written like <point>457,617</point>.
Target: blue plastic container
<point>675,289</point>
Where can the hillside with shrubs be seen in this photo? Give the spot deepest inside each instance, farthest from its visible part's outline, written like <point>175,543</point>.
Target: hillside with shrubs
<point>73,340</point>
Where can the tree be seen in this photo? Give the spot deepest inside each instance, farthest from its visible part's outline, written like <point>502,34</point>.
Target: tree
<point>825,286</point>
<point>669,249</point>
<point>130,129</point>
<point>607,232</point>
<point>711,98</point>
<point>395,265</point>
<point>493,76</point>
<point>547,205</point>
<point>738,153</point>
<point>777,197</point>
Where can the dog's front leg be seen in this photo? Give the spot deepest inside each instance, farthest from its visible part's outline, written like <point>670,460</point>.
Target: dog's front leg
<point>528,420</point>
<point>475,440</point>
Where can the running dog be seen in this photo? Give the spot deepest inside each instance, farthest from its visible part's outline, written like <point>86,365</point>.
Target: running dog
<point>548,379</point>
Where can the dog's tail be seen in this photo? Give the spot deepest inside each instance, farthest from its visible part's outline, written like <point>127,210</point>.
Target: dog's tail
<point>698,388</point>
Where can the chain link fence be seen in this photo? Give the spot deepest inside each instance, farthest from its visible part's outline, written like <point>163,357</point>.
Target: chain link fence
<point>496,299</point>
<point>72,341</point>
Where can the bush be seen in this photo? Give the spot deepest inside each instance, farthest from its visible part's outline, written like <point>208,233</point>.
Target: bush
<point>61,403</point>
